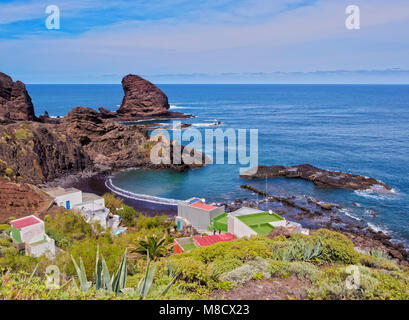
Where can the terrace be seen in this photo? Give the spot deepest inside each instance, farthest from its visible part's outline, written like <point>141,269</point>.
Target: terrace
<point>220,223</point>
<point>261,222</point>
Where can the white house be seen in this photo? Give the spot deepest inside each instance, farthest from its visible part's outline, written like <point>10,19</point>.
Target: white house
<point>67,198</point>
<point>91,206</point>
<point>30,232</point>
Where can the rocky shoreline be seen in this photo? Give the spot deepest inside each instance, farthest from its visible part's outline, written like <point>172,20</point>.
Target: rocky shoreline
<point>320,177</point>
<point>315,214</point>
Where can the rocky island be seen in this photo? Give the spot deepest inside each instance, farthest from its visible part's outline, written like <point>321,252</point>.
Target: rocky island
<point>142,100</point>
<point>320,177</point>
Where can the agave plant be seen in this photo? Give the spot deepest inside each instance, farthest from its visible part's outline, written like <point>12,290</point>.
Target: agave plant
<point>103,280</point>
<point>301,250</point>
<point>116,283</point>
<point>145,285</point>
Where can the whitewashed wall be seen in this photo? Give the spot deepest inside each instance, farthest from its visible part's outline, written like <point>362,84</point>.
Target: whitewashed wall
<point>74,198</point>
<point>239,229</point>
<point>91,205</point>
<point>33,233</point>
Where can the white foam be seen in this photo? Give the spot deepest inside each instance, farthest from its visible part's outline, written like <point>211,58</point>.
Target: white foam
<point>140,197</point>
<point>349,214</point>
<point>377,192</point>
<point>377,228</point>
<point>176,107</point>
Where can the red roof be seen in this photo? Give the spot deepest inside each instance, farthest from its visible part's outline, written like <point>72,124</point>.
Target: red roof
<point>25,222</point>
<point>209,240</point>
<point>204,206</point>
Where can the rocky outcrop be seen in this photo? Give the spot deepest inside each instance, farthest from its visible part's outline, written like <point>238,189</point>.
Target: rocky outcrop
<point>18,200</point>
<point>15,102</point>
<point>108,143</point>
<point>279,231</point>
<point>320,177</point>
<point>142,98</point>
<point>111,145</point>
<point>37,152</point>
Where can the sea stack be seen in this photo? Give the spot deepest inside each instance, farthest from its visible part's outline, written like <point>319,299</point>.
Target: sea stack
<point>15,102</point>
<point>142,98</point>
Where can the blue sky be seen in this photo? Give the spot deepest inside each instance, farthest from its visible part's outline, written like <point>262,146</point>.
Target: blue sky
<point>206,41</point>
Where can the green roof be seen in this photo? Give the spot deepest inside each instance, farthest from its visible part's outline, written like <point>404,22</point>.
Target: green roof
<point>188,246</point>
<point>220,222</point>
<point>259,222</point>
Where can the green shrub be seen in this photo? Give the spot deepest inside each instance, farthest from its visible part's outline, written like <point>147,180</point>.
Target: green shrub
<point>10,172</point>
<point>256,268</point>
<point>221,266</point>
<point>373,285</point>
<point>5,242</point>
<point>192,270</point>
<point>379,254</point>
<point>240,248</point>
<point>4,228</point>
<point>278,268</point>
<point>304,270</point>
<point>376,262</point>
<point>337,247</point>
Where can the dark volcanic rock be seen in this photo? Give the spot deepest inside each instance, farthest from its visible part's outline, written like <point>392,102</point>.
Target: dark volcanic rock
<point>15,102</point>
<point>112,145</point>
<point>106,114</point>
<point>39,152</point>
<point>279,231</point>
<point>142,98</point>
<point>107,142</point>
<point>320,177</point>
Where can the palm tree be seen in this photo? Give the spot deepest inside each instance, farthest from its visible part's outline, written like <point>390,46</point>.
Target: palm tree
<point>151,245</point>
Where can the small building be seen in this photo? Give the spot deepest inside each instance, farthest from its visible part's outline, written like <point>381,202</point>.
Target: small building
<point>186,244</point>
<point>29,232</point>
<point>91,206</point>
<point>67,198</point>
<point>196,212</point>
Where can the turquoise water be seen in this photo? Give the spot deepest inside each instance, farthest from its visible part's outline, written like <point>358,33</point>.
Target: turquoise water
<point>362,129</point>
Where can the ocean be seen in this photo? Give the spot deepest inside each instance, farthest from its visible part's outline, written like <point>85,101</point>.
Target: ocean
<point>360,129</point>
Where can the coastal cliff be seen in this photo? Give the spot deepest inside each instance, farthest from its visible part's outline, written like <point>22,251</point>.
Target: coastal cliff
<point>15,102</point>
<point>40,150</point>
<point>36,152</point>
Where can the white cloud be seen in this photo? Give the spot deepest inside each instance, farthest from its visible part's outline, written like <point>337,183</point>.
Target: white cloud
<point>308,38</point>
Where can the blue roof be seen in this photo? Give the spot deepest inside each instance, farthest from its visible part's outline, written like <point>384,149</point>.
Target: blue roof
<point>194,201</point>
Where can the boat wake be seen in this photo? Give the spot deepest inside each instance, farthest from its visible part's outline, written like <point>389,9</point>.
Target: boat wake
<point>139,197</point>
